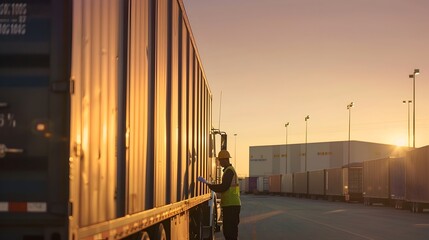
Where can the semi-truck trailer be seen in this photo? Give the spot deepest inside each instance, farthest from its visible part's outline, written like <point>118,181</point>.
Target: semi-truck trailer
<point>105,122</point>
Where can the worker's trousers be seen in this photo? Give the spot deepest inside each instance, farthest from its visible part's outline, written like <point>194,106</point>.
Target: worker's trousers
<point>231,219</point>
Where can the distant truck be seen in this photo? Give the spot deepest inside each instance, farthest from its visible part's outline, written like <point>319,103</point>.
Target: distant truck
<point>105,122</point>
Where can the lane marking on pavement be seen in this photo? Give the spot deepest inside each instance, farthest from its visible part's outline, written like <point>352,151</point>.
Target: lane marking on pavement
<point>333,227</point>
<point>335,211</point>
<point>260,217</point>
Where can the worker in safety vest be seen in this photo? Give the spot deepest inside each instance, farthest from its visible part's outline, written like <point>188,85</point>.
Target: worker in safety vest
<point>230,199</point>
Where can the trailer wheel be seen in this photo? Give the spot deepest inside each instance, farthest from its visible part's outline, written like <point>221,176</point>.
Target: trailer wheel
<point>160,233</point>
<point>196,224</point>
<point>209,228</point>
<point>415,207</point>
<point>144,236</point>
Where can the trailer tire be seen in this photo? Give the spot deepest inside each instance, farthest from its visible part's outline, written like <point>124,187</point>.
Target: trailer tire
<point>160,233</point>
<point>144,236</point>
<point>196,224</point>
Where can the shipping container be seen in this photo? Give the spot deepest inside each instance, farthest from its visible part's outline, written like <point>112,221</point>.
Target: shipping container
<point>252,185</point>
<point>242,182</point>
<point>335,184</point>
<point>316,183</point>
<point>338,186</point>
<point>275,182</point>
<point>354,182</point>
<point>300,184</point>
<point>417,179</point>
<point>263,184</point>
<point>287,184</point>
<point>397,182</point>
<point>105,122</point>
<point>376,181</point>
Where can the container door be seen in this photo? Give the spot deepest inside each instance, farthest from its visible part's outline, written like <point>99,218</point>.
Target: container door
<point>34,123</point>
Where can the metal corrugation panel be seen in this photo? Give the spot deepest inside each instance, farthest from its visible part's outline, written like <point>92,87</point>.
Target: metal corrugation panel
<point>355,181</point>
<point>191,108</point>
<point>94,108</point>
<point>376,178</point>
<point>137,105</point>
<point>300,183</point>
<point>287,183</point>
<point>334,182</point>
<point>160,103</point>
<point>263,184</point>
<point>316,182</point>
<point>275,182</point>
<point>174,106</point>
<point>417,177</point>
<point>397,178</point>
<point>183,113</point>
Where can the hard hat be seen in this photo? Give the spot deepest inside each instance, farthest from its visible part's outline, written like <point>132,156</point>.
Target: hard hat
<point>223,154</point>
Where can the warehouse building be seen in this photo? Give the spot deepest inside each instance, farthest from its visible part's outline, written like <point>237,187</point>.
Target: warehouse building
<point>282,159</point>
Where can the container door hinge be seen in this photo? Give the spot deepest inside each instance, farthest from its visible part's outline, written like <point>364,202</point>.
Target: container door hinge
<point>70,209</point>
<point>63,86</point>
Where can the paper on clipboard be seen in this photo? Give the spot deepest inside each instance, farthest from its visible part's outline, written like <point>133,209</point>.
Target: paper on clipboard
<point>201,179</point>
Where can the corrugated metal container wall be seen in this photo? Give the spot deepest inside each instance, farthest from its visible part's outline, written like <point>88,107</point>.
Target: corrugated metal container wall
<point>417,177</point>
<point>300,183</point>
<point>260,184</point>
<point>376,178</point>
<point>266,184</point>
<point>173,159</point>
<point>160,103</point>
<point>397,178</point>
<point>184,108</point>
<point>243,184</point>
<point>334,182</point>
<point>246,184</point>
<point>287,183</point>
<point>316,182</point>
<point>139,185</point>
<point>191,109</point>
<point>356,182</point>
<point>275,182</point>
<point>253,184</point>
<point>94,109</point>
<point>263,184</point>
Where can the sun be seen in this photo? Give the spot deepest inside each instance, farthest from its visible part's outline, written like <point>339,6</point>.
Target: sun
<point>399,142</point>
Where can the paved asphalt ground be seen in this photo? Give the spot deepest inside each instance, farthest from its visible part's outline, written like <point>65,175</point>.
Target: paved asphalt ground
<point>269,217</point>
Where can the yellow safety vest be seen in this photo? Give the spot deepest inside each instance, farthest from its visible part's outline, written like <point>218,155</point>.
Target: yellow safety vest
<point>231,197</point>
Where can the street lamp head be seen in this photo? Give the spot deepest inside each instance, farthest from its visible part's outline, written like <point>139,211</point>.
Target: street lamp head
<point>287,124</point>
<point>416,71</point>
<point>308,117</point>
<point>350,105</point>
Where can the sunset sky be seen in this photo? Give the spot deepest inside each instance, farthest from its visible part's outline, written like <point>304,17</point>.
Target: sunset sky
<point>269,62</point>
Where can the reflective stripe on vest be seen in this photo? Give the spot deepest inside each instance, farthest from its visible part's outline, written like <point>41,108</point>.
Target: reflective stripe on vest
<point>231,197</point>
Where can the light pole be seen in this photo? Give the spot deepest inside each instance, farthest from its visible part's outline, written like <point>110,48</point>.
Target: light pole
<point>235,150</point>
<point>413,76</point>
<point>306,118</point>
<point>409,101</point>
<point>349,107</point>
<point>286,125</point>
